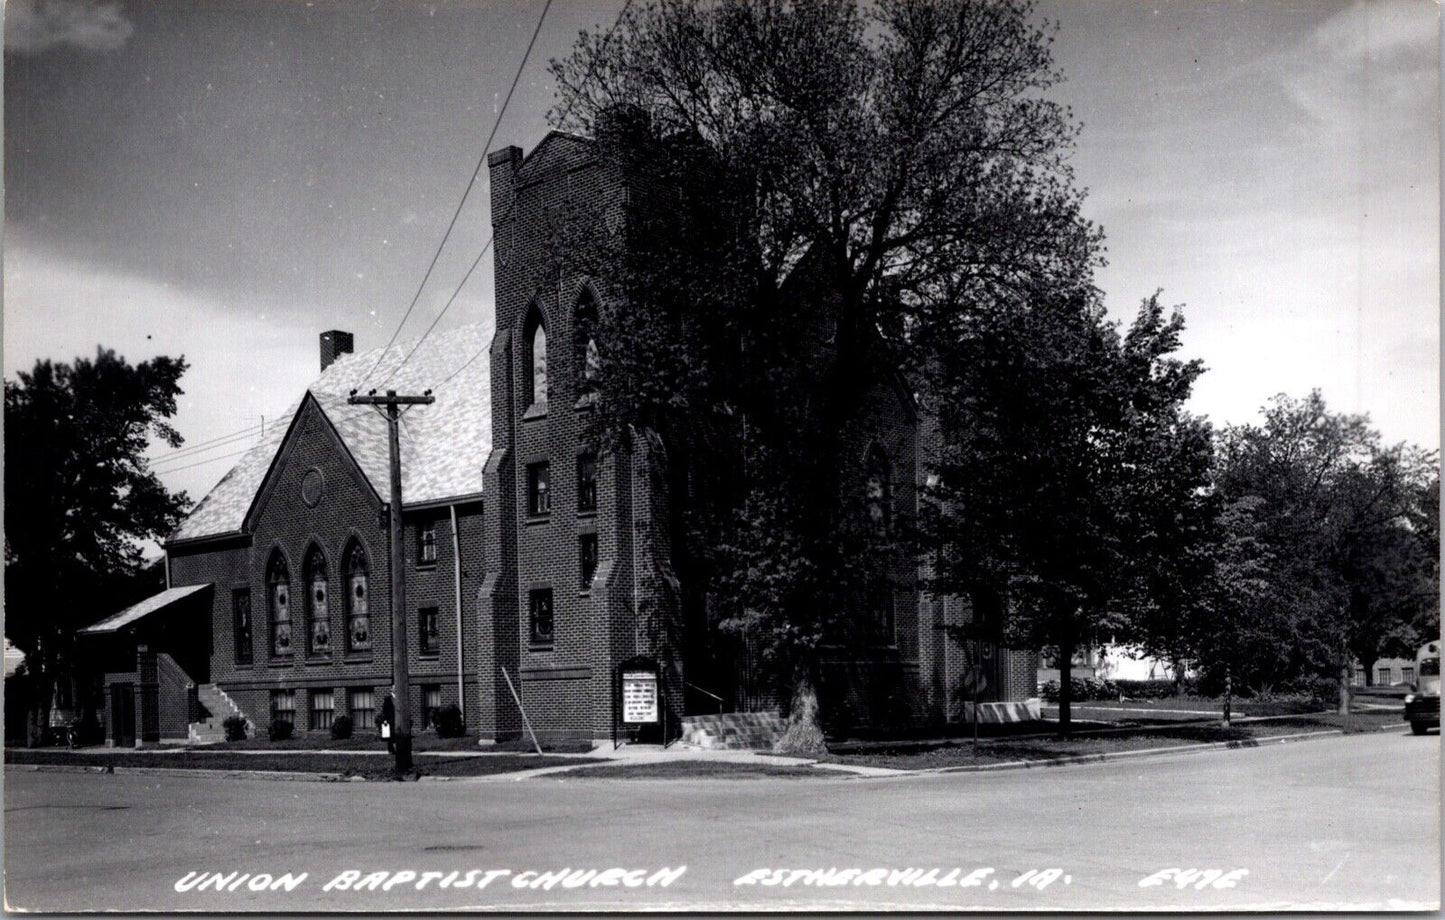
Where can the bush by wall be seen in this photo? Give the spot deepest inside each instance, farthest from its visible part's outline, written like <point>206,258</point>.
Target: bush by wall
<point>341,728</point>
<point>235,727</point>
<point>280,730</point>
<point>448,722</point>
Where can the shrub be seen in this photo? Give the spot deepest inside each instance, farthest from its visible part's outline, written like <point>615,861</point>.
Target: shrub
<point>280,730</point>
<point>235,727</point>
<point>1084,689</point>
<point>448,722</point>
<point>341,728</point>
<point>1145,689</point>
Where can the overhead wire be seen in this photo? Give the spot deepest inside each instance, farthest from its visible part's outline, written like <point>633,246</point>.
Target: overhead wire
<point>201,446</point>
<point>187,466</point>
<point>471,183</point>
<point>488,245</point>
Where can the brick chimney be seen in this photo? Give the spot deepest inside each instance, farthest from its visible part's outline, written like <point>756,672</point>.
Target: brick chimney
<point>334,344</point>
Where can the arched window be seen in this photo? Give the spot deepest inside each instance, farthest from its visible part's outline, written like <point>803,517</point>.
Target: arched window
<point>278,599</point>
<point>358,596</point>
<point>878,489</point>
<point>318,616</point>
<point>535,336</point>
<point>586,359</point>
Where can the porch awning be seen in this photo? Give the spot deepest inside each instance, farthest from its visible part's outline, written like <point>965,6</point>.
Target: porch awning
<point>133,614</point>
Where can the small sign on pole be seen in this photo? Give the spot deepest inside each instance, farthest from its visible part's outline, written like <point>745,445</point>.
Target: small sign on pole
<point>639,697</point>
<point>638,702</point>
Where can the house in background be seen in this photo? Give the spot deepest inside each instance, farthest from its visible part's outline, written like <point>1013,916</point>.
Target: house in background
<point>1113,661</point>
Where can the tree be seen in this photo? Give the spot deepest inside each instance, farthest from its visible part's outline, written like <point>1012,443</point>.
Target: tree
<point>1329,547</point>
<point>80,498</point>
<point>1070,478</point>
<point>835,180</point>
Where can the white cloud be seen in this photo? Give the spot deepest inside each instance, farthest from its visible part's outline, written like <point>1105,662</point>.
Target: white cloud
<point>246,360</point>
<point>1373,66</point>
<point>36,25</point>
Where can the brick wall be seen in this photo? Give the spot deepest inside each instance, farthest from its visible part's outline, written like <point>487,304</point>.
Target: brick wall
<point>565,687</point>
<point>349,512</point>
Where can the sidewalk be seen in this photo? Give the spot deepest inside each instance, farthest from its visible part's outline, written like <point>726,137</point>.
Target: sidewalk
<point>629,754</point>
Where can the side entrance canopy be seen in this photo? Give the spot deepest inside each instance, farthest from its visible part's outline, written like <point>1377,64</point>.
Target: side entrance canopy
<point>135,613</point>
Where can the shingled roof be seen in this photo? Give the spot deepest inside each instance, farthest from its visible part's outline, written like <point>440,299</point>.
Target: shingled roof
<point>444,446</point>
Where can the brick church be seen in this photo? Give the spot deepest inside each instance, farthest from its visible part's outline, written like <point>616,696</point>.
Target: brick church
<point>529,555</point>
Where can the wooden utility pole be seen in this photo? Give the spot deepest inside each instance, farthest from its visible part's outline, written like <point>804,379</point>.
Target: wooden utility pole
<point>400,668</point>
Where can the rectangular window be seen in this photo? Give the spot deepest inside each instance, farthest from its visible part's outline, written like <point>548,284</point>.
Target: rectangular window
<point>539,616</point>
<point>587,555</point>
<point>427,630</point>
<point>283,706</point>
<point>361,703</point>
<point>539,490</point>
<point>426,544</point>
<point>323,709</point>
<point>241,617</point>
<point>1382,676</point>
<point>431,701</point>
<point>1407,675</point>
<point>587,483</point>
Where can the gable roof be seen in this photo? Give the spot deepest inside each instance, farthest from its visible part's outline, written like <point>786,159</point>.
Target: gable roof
<point>135,612</point>
<point>444,446</point>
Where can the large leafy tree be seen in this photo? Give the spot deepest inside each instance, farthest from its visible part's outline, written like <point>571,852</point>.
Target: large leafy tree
<point>80,498</point>
<point>834,179</point>
<point>1328,549</point>
<point>1070,479</point>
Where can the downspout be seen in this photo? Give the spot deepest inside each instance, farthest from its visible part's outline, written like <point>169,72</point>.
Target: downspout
<point>457,586</point>
<point>168,567</point>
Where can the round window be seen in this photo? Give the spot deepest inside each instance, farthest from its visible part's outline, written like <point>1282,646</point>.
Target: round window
<point>313,485</point>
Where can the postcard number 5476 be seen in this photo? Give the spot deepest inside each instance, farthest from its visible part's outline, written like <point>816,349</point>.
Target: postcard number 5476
<point>1198,879</point>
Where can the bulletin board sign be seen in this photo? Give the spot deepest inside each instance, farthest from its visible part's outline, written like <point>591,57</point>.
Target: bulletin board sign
<point>640,702</point>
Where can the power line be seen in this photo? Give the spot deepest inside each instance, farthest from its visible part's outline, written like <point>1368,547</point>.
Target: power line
<point>496,123</point>
<point>177,469</point>
<point>606,40</point>
<point>189,449</point>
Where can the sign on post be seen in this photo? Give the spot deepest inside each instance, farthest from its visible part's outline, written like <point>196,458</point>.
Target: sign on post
<point>639,697</point>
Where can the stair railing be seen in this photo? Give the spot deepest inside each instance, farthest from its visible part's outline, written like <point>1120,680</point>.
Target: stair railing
<point>707,693</point>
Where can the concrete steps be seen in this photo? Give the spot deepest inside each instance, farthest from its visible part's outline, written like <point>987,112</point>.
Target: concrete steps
<point>221,707</point>
<point>733,731</point>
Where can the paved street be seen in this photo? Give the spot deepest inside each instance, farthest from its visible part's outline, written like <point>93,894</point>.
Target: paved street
<point>1342,822</point>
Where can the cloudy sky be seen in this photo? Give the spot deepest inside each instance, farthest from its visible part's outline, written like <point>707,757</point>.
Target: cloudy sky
<point>225,180</point>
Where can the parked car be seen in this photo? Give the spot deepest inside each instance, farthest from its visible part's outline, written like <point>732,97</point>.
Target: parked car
<point>1422,705</point>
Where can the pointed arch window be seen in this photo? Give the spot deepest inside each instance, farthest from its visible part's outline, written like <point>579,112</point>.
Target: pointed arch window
<point>878,490</point>
<point>318,608</point>
<point>535,336</point>
<point>358,600</point>
<point>278,598</point>
<point>586,359</point>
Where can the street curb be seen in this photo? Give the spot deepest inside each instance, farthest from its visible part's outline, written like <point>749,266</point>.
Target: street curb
<point>822,766</point>
<point>1146,752</point>
<point>293,776</point>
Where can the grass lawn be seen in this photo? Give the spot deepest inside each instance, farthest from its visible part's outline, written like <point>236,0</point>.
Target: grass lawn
<point>690,769</point>
<point>421,743</point>
<point>298,762</point>
<point>1182,708</point>
<point>962,753</point>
